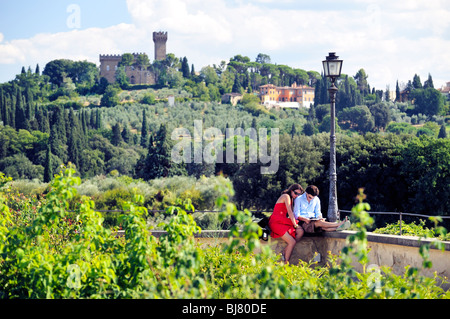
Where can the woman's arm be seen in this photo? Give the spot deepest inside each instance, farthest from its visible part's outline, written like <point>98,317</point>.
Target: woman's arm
<point>287,202</point>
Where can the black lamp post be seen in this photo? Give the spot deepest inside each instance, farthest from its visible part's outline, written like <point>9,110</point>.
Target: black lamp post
<point>332,69</point>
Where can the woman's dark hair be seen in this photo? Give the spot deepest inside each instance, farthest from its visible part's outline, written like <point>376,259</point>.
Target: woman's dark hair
<point>292,188</point>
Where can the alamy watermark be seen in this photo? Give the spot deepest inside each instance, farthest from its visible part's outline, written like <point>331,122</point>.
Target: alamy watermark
<point>74,19</point>
<point>206,146</point>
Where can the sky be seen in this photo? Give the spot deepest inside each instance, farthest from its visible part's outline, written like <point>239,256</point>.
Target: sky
<point>390,39</point>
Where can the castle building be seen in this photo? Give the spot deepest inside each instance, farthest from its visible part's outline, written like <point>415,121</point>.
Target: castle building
<point>160,39</point>
<point>110,63</point>
<point>287,96</point>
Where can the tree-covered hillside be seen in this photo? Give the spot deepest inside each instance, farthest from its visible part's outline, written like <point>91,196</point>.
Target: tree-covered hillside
<point>397,148</point>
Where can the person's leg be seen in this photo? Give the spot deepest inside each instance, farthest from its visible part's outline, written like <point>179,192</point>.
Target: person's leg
<point>299,232</point>
<point>290,246</point>
<point>329,228</point>
<point>324,224</point>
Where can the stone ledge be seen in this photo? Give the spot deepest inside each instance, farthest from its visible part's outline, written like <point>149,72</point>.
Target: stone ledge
<point>411,241</point>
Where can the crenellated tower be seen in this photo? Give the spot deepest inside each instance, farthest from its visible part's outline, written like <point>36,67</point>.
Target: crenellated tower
<point>160,39</point>
<point>109,63</point>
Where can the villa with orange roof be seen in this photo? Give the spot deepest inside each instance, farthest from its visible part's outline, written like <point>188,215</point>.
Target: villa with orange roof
<point>294,96</point>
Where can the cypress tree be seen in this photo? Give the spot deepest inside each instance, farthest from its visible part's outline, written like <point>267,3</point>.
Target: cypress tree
<point>185,68</point>
<point>192,71</point>
<point>126,134</point>
<point>48,166</point>
<point>43,120</point>
<point>2,106</point>
<point>144,131</point>
<point>5,110</point>
<point>74,146</point>
<point>397,93</point>
<point>416,82</point>
<point>116,134</point>
<point>59,121</point>
<point>98,120</point>
<point>92,121</point>
<point>442,132</point>
<point>428,83</point>
<point>293,130</point>
<point>12,112</point>
<point>237,85</point>
<point>158,162</point>
<point>19,112</point>
<point>54,143</point>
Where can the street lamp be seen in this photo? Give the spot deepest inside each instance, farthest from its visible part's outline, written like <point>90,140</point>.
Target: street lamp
<point>332,69</point>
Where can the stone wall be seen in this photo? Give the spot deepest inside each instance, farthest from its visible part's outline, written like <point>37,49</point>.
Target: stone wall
<point>392,251</point>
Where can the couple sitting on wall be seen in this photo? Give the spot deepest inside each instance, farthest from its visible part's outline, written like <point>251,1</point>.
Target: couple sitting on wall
<point>296,212</point>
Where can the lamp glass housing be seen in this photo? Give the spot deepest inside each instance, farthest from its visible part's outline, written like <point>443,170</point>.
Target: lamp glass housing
<point>332,66</point>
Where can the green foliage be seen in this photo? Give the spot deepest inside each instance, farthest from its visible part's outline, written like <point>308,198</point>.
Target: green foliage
<point>51,258</point>
<point>110,97</point>
<point>413,229</point>
<point>428,101</point>
<point>35,112</point>
<point>424,166</point>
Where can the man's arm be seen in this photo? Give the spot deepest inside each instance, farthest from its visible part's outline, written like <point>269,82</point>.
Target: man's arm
<point>317,209</point>
<point>297,207</point>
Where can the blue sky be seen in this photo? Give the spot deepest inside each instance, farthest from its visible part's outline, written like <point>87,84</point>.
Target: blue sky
<point>25,18</point>
<point>391,40</point>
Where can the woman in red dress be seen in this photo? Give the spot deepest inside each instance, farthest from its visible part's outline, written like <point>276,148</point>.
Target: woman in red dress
<point>286,227</point>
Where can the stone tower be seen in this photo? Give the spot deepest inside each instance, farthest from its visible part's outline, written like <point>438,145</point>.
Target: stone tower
<point>160,39</point>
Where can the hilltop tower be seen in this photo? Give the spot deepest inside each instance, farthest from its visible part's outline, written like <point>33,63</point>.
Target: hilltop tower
<point>160,39</point>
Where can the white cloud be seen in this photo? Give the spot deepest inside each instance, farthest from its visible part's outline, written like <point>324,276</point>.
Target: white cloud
<point>76,44</point>
<point>390,40</point>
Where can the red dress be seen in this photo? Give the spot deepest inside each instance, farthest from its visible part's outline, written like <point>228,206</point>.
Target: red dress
<point>280,224</point>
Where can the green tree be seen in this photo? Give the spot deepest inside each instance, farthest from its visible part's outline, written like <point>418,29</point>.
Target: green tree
<point>237,88</point>
<point>424,166</point>
<point>74,141</point>
<point>427,101</point>
<point>429,82</point>
<point>209,75</point>
<point>48,168</point>
<point>57,70</point>
<point>262,58</point>
<point>110,98</point>
<point>127,60</point>
<point>122,78</point>
<point>357,117</point>
<point>442,132</point>
<point>157,161</point>
<point>144,130</point>
<point>116,134</point>
<point>126,134</point>
<point>84,74</point>
<point>361,80</point>
<point>185,68</point>
<point>308,128</point>
<point>381,115</point>
<point>417,84</point>
<point>20,116</point>
<point>397,93</point>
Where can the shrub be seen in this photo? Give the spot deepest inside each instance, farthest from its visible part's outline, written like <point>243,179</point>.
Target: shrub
<point>52,258</point>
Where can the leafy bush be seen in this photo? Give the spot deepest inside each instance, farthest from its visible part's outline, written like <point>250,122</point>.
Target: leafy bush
<point>52,258</point>
<point>412,229</point>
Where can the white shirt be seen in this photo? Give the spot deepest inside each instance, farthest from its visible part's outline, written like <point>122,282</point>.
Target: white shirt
<point>308,210</point>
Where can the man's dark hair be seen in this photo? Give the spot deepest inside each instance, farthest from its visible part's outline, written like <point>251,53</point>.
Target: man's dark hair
<point>312,190</point>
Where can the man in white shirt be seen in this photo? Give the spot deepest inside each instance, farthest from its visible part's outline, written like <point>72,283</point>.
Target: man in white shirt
<point>307,207</point>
